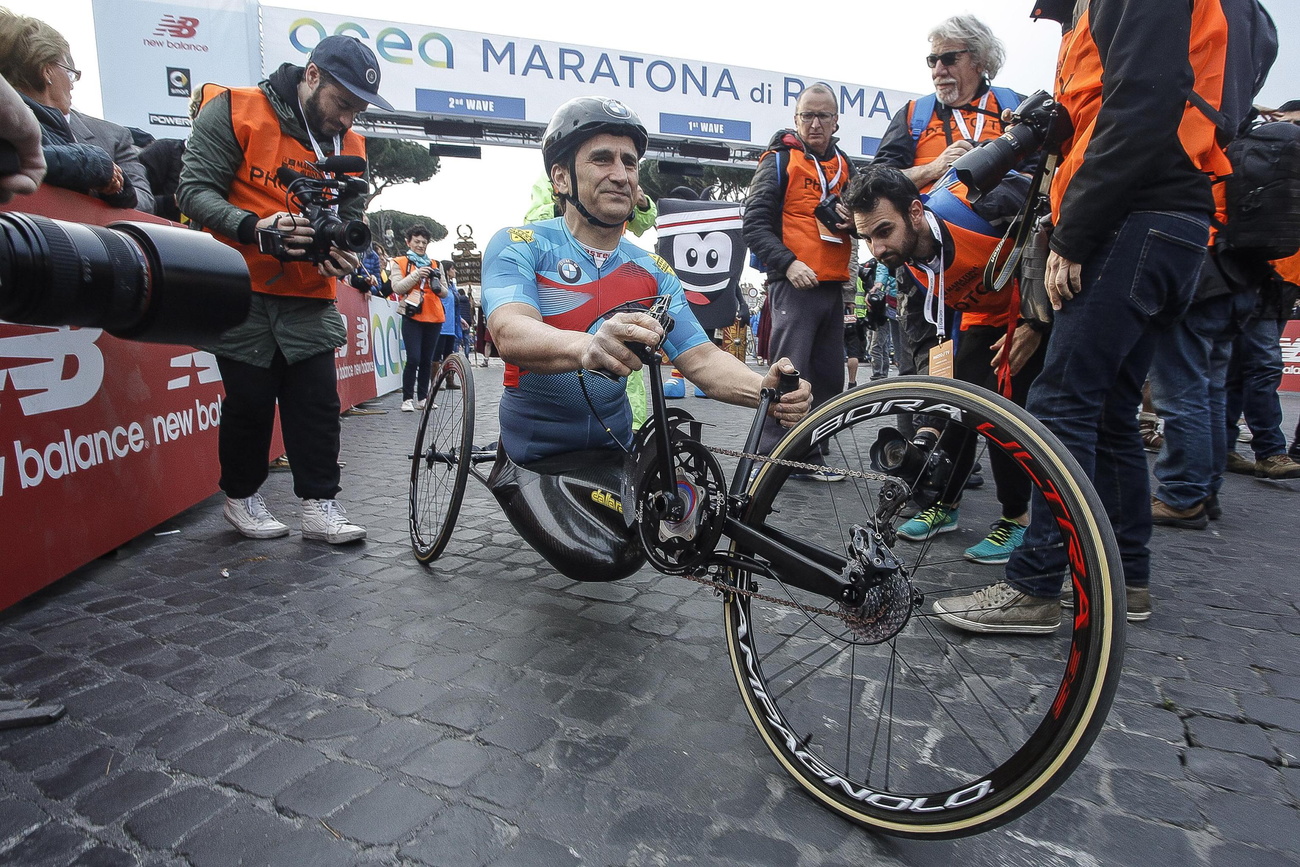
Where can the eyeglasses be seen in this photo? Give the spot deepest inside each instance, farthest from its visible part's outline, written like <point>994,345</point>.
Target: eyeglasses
<point>948,58</point>
<point>810,116</point>
<point>74,75</point>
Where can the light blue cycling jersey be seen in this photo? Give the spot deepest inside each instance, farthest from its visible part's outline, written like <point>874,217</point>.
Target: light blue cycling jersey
<point>544,266</point>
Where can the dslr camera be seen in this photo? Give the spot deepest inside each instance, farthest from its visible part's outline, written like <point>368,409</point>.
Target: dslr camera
<point>922,462</point>
<point>828,215</point>
<point>317,199</point>
<point>137,281</point>
<point>1040,123</point>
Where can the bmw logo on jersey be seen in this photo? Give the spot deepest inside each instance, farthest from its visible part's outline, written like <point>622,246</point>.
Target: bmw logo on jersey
<point>569,271</point>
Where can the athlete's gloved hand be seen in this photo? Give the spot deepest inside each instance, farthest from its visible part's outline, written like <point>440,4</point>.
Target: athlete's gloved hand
<point>792,406</point>
<point>607,349</point>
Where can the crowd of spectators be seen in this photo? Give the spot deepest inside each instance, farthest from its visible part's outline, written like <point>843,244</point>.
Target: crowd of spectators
<point>1143,174</point>
<point>1211,345</point>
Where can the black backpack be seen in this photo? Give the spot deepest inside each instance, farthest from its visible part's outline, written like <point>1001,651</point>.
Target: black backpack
<point>1264,191</point>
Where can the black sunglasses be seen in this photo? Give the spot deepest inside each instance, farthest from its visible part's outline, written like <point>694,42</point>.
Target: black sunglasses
<point>948,58</point>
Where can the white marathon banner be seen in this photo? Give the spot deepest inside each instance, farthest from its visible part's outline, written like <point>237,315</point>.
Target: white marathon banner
<point>153,55</point>
<point>386,344</point>
<point>478,76</point>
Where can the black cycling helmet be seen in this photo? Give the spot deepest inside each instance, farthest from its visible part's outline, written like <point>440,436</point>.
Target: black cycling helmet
<point>585,116</point>
<point>580,119</point>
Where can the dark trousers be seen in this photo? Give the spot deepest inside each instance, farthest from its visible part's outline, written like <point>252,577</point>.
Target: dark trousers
<point>307,393</point>
<point>1134,286</point>
<point>808,329</point>
<point>422,340</point>
<point>971,364</point>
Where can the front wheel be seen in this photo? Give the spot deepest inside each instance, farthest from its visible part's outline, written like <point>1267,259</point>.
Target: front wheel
<point>444,444</point>
<point>890,716</point>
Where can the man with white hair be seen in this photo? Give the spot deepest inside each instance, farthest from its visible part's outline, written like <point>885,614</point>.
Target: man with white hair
<point>928,134</point>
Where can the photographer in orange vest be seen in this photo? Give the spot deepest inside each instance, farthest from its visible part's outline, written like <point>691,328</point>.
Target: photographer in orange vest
<point>231,185</point>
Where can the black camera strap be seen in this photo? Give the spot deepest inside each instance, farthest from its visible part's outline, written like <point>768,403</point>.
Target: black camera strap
<point>1022,227</point>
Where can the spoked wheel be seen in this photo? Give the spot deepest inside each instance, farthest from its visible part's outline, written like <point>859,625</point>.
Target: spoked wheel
<point>886,713</point>
<point>441,458</point>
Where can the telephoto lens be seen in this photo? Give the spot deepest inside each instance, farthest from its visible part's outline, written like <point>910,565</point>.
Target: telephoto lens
<point>137,281</point>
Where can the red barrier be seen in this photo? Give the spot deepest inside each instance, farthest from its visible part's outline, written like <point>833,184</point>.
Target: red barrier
<point>1291,356</point>
<point>103,439</point>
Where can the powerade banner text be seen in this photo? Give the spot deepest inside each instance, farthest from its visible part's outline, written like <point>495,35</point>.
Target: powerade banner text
<point>485,77</point>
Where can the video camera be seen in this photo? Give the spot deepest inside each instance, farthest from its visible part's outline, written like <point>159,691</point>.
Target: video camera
<point>316,199</point>
<point>1040,123</point>
<point>137,281</point>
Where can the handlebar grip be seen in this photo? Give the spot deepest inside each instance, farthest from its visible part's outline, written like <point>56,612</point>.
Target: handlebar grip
<point>789,382</point>
<point>646,353</point>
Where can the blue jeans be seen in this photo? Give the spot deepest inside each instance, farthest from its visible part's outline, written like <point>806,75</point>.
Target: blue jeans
<point>884,343</point>
<point>1134,286</point>
<point>1187,380</point>
<point>1253,380</point>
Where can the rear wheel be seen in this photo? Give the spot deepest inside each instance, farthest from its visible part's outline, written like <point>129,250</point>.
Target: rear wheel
<point>890,716</point>
<point>441,458</point>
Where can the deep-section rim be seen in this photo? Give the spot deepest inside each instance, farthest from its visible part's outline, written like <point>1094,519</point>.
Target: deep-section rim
<point>452,366</point>
<point>1101,640</point>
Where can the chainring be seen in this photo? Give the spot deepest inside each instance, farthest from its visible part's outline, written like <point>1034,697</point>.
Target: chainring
<point>677,546</point>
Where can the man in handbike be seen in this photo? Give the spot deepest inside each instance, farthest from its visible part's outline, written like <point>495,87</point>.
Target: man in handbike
<point>564,413</point>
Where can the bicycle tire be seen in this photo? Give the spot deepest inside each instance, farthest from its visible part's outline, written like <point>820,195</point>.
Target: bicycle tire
<point>444,443</point>
<point>959,733</point>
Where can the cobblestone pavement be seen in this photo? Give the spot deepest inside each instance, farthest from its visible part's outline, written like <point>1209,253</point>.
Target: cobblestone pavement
<point>286,702</point>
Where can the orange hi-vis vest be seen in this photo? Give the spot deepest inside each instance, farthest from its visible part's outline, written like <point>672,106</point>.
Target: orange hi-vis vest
<point>932,139</point>
<point>826,252</point>
<point>255,188</point>
<point>1079,89</point>
<point>1289,268</point>
<point>973,243</point>
<point>431,310</point>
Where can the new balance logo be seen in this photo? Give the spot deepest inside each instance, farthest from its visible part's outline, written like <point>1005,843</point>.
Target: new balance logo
<point>181,27</point>
<point>52,370</point>
<point>204,362</point>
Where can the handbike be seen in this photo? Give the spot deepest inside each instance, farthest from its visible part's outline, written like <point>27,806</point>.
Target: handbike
<point>881,711</point>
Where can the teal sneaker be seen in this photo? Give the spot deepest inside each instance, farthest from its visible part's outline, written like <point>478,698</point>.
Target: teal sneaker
<point>929,523</point>
<point>995,548</point>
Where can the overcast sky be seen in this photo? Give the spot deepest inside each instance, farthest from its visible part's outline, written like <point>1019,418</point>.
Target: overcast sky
<point>873,43</point>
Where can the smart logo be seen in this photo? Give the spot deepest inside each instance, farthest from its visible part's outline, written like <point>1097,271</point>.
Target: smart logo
<point>178,82</point>
<point>392,43</point>
<point>178,27</point>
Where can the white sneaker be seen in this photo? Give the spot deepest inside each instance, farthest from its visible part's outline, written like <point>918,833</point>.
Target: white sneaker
<point>421,404</point>
<point>251,518</point>
<point>325,520</point>
<point>408,406</point>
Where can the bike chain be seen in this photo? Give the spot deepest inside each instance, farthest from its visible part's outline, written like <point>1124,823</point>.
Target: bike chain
<point>723,587</point>
<point>854,622</point>
<point>764,459</point>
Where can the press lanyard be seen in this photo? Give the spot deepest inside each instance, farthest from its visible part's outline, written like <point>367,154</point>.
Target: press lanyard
<point>839,170</point>
<point>934,312</point>
<point>979,121</point>
<point>821,177</point>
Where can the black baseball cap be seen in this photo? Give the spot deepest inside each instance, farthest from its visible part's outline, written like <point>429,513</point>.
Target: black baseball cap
<point>353,65</point>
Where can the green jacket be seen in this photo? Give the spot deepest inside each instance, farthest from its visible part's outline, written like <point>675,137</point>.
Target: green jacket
<point>298,327</point>
<point>541,206</point>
